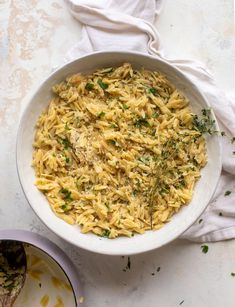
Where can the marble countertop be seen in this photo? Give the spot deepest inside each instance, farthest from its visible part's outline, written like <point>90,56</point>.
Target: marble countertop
<point>34,36</point>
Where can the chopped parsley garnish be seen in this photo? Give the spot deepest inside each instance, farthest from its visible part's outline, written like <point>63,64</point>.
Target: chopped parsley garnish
<point>10,286</point>
<point>227,193</point>
<point>144,160</point>
<point>181,302</point>
<point>138,185</point>
<point>164,190</point>
<point>134,193</point>
<point>103,85</point>
<point>65,142</point>
<point>233,274</point>
<point>106,205</point>
<point>113,125</point>
<point>200,221</point>
<point>141,122</point>
<point>153,91</point>
<point>233,152</point>
<point>67,159</point>
<point>66,207</point>
<point>66,127</point>
<point>106,233</point>
<point>222,133</point>
<point>155,115</point>
<point>158,269</point>
<point>220,214</point>
<point>125,106</point>
<point>232,140</point>
<point>66,194</point>
<point>112,142</point>
<point>89,86</point>
<point>204,248</point>
<point>204,124</point>
<point>101,114</point>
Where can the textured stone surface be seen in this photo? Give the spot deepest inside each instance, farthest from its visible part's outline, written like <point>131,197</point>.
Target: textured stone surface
<point>34,36</point>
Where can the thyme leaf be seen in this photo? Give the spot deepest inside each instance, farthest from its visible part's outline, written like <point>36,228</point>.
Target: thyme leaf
<point>204,124</point>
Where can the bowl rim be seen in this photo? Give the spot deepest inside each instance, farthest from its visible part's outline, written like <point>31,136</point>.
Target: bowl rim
<point>23,116</point>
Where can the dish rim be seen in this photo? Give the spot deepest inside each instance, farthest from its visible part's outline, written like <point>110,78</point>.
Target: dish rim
<point>23,117</point>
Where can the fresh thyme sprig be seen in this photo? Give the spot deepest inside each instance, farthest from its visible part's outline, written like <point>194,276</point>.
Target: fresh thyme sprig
<point>204,124</point>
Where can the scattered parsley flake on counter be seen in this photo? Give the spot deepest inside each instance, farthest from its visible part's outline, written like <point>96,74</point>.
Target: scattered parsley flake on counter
<point>233,152</point>
<point>181,302</point>
<point>103,85</point>
<point>200,221</point>
<point>40,285</point>
<point>220,214</point>
<point>222,133</point>
<point>233,274</point>
<point>89,86</point>
<point>227,193</point>
<point>158,269</point>
<point>204,248</point>
<point>232,140</point>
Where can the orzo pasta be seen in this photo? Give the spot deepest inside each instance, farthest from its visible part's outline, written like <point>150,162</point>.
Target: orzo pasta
<point>117,152</point>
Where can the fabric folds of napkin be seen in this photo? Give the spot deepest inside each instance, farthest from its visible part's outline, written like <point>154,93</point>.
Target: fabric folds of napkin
<point>129,25</point>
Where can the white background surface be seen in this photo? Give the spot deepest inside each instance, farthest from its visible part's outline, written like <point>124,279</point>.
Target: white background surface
<point>34,36</point>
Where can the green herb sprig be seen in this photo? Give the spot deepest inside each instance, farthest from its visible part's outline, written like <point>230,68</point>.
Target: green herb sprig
<point>89,86</point>
<point>141,122</point>
<point>66,194</point>
<point>106,233</point>
<point>204,124</point>
<point>103,85</point>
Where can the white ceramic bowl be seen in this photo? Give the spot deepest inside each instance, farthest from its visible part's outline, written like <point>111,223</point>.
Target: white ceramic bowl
<point>121,246</point>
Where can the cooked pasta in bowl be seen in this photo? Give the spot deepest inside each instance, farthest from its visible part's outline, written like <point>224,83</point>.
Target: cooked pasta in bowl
<point>116,152</point>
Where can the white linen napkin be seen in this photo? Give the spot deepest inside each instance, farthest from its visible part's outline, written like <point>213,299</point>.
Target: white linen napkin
<point>128,25</point>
